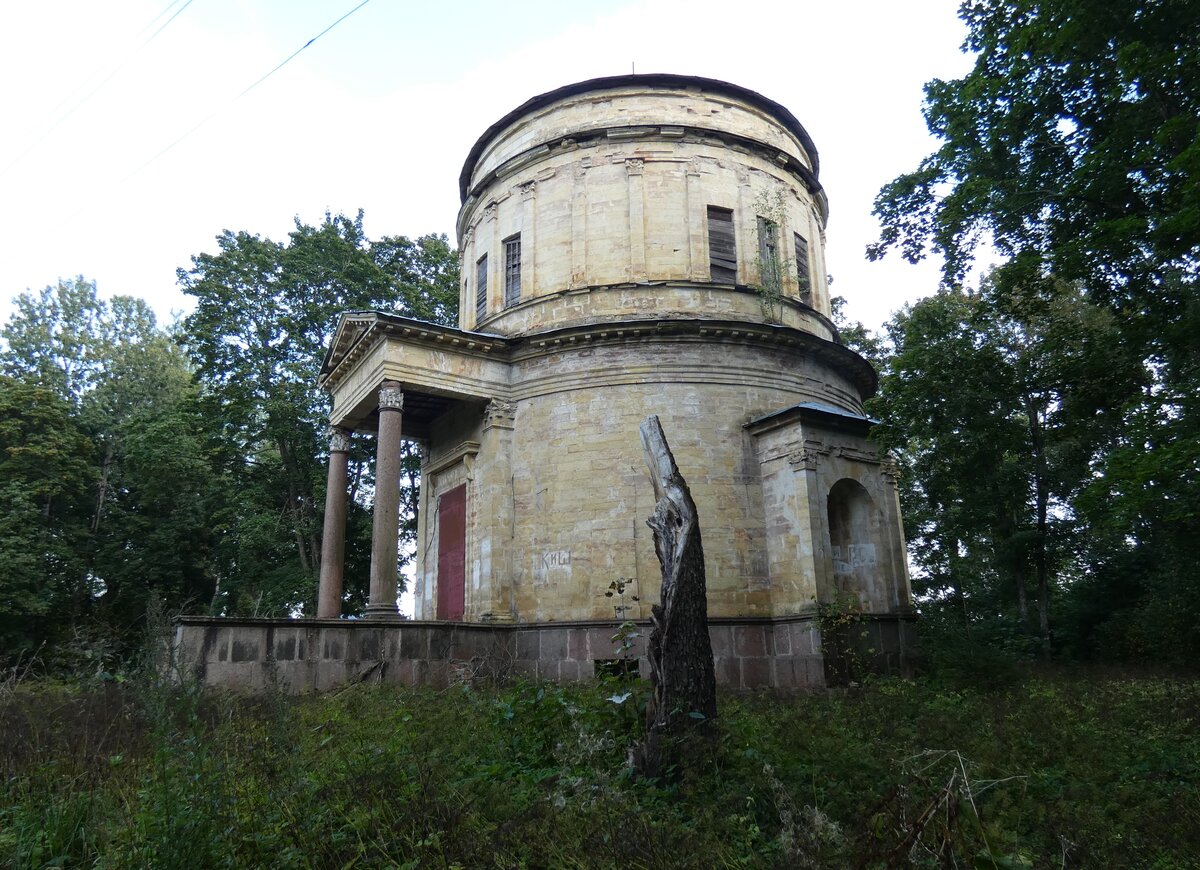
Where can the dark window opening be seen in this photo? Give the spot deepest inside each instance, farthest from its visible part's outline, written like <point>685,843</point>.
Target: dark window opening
<point>768,253</point>
<point>803,270</point>
<point>512,270</point>
<point>481,275</point>
<point>722,253</point>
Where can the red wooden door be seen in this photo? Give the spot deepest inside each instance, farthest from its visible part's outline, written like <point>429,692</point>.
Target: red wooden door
<point>452,553</point>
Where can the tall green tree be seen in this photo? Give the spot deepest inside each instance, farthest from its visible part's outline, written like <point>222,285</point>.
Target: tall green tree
<point>265,312</point>
<point>1001,407</point>
<point>46,472</point>
<point>101,400</point>
<point>1073,146</point>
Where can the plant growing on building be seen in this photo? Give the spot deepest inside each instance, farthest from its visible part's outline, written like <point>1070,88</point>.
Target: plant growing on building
<point>626,633</point>
<point>770,210</point>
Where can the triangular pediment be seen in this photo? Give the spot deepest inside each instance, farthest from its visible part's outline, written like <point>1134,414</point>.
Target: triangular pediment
<point>352,328</point>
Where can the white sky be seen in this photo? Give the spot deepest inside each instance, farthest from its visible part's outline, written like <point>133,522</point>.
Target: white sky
<point>380,112</point>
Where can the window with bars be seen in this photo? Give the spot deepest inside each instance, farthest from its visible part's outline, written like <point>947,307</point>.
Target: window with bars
<point>768,253</point>
<point>481,288</point>
<point>803,269</point>
<point>512,270</point>
<point>722,253</point>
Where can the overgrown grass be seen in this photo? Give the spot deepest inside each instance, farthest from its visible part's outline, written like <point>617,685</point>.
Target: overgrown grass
<point>1054,770</point>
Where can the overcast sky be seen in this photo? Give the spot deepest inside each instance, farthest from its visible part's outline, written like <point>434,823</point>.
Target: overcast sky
<point>126,151</point>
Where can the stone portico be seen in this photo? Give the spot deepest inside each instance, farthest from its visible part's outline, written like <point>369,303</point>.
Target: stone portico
<point>630,246</point>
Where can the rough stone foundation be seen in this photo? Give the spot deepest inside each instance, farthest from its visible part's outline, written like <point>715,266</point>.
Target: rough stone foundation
<point>302,655</point>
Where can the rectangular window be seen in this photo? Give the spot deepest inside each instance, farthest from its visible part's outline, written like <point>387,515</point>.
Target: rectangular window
<point>803,270</point>
<point>512,270</point>
<point>722,254</point>
<point>481,270</point>
<point>768,253</point>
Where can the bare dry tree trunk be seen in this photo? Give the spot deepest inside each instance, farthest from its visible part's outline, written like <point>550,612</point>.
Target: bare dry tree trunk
<point>680,652</point>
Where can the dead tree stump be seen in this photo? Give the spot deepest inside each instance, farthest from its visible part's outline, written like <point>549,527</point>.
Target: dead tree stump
<point>684,691</point>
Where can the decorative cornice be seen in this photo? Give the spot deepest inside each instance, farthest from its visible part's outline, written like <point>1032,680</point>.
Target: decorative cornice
<point>484,345</point>
<point>655,82</point>
<point>804,460</point>
<point>458,454</point>
<point>856,455</point>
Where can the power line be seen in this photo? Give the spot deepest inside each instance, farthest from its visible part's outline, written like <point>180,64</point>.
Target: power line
<point>260,80</point>
<point>113,74</point>
<point>222,108</point>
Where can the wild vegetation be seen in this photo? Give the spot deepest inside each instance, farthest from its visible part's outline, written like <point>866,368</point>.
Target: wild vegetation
<point>1050,770</point>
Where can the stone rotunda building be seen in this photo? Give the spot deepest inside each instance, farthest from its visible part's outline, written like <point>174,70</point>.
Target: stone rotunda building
<point>635,245</point>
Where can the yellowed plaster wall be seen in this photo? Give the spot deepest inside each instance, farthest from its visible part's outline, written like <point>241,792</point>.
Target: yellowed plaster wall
<point>558,497</point>
<point>616,211</point>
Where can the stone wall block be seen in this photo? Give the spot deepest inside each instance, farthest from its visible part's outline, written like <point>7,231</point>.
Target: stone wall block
<point>365,644</point>
<point>728,674</point>
<point>601,646</point>
<point>785,673</point>
<point>756,672</point>
<point>414,642</point>
<point>816,672</point>
<point>553,644</point>
<point>721,638</point>
<point>334,644</point>
<point>577,645</point>
<point>803,637</point>
<point>246,646</point>
<point>331,673</point>
<point>750,640</point>
<point>439,674</point>
<point>286,647</point>
<point>781,640</point>
<point>527,645</point>
<point>221,644</point>
<point>441,641</point>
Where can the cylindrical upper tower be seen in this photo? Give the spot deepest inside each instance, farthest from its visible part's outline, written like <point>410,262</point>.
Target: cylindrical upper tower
<point>643,196</point>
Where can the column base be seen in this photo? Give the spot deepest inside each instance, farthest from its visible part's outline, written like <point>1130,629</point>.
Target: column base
<point>382,611</point>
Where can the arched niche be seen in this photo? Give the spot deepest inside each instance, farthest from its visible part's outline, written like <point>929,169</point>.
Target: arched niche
<point>856,546</point>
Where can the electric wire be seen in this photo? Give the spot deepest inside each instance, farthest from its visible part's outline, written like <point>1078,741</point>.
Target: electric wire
<point>218,110</point>
<point>251,87</point>
<point>113,74</point>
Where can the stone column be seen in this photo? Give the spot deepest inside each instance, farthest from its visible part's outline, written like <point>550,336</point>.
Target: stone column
<point>333,540</point>
<point>386,529</point>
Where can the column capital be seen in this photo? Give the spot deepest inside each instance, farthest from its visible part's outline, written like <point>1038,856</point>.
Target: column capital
<point>891,470</point>
<point>391,395</point>
<point>499,413</point>
<point>339,439</point>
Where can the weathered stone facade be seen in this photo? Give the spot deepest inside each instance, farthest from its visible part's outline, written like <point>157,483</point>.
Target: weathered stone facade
<point>630,246</point>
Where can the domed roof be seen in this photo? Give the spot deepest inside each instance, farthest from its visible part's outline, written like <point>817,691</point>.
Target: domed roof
<point>653,81</point>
